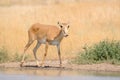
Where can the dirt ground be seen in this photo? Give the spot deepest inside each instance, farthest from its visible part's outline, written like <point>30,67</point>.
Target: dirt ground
<point>66,66</point>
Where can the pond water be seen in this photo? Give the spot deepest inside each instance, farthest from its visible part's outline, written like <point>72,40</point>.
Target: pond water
<point>56,74</point>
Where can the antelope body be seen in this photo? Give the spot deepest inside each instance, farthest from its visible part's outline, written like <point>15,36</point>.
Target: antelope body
<point>48,35</point>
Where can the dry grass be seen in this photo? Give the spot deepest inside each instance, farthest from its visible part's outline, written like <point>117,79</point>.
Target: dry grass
<point>91,21</point>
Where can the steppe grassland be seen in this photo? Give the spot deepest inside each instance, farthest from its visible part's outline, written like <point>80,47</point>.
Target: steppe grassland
<point>90,22</point>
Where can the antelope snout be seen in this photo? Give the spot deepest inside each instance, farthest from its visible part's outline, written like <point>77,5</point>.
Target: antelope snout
<point>66,35</point>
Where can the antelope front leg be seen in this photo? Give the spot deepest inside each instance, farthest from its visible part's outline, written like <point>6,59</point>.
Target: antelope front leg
<point>46,49</point>
<point>59,54</point>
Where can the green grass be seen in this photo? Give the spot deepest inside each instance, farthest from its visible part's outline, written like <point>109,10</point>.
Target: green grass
<point>6,57</point>
<point>104,51</point>
<point>18,57</point>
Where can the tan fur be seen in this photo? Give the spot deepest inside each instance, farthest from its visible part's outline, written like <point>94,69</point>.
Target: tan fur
<point>38,31</point>
<point>46,34</point>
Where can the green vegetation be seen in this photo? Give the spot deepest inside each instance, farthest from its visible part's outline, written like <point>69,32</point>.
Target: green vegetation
<point>16,57</point>
<point>104,51</point>
<point>5,57</point>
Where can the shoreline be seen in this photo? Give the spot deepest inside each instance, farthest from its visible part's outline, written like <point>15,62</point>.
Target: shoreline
<point>53,65</point>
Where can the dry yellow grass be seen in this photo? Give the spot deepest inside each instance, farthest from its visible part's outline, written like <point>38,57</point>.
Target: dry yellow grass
<point>91,21</point>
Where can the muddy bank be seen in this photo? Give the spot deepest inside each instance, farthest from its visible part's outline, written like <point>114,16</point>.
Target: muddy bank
<point>65,66</point>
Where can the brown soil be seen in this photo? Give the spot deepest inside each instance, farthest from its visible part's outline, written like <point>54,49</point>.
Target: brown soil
<point>65,66</point>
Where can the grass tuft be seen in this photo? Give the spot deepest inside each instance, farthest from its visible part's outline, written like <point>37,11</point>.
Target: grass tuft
<point>6,57</point>
<point>17,57</point>
<point>104,51</point>
<point>3,55</point>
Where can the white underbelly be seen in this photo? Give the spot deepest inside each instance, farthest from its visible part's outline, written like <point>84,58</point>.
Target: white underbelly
<point>53,42</point>
<point>42,41</point>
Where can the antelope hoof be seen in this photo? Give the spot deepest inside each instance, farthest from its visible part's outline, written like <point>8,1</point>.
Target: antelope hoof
<point>21,64</point>
<point>37,62</point>
<point>38,65</point>
<point>42,65</point>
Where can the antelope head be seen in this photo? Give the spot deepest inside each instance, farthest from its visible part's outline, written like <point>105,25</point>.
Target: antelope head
<point>64,28</point>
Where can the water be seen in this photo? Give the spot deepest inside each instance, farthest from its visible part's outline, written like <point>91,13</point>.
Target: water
<point>57,74</point>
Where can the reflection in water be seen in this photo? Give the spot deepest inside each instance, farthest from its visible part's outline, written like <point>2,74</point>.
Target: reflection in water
<point>41,72</point>
<point>50,74</point>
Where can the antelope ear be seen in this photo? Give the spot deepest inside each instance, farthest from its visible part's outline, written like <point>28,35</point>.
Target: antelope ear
<point>59,24</point>
<point>68,26</point>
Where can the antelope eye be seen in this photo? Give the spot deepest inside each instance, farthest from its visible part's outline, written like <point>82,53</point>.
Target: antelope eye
<point>61,26</point>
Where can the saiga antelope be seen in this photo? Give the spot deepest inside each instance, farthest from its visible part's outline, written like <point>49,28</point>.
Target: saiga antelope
<point>48,35</point>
